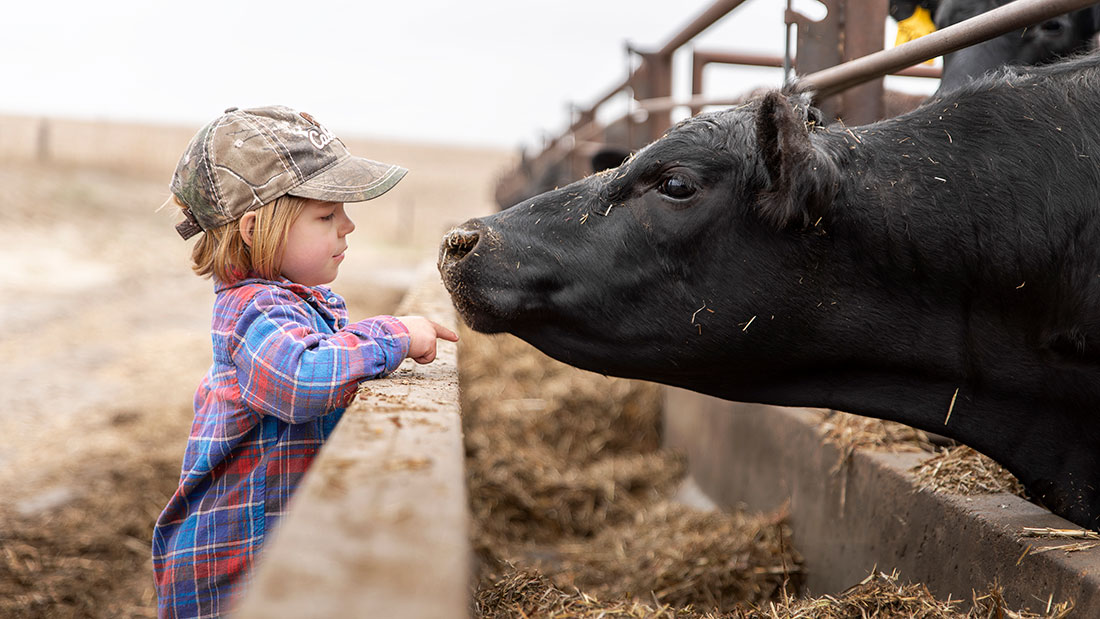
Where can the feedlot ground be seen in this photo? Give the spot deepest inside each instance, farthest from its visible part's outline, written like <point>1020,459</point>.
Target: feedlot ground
<point>105,337</point>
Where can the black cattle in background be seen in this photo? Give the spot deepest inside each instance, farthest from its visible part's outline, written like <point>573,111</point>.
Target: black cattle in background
<point>533,177</point>
<point>941,268</point>
<point>1049,41</point>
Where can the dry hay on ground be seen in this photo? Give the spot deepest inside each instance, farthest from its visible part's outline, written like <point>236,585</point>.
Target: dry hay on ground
<point>90,556</point>
<point>885,596</point>
<point>961,470</point>
<point>851,432</point>
<point>525,494</point>
<point>569,492</point>
<point>957,469</point>
<point>552,450</point>
<point>525,593</point>
<point>566,475</point>
<point>683,557</point>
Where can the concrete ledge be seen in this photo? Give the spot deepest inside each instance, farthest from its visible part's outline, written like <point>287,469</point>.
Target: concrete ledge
<point>379,526</point>
<point>869,513</point>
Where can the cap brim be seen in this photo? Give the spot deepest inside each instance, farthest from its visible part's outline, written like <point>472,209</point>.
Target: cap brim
<point>352,179</point>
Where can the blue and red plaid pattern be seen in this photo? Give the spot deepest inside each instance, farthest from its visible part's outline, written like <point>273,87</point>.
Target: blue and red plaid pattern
<point>286,363</point>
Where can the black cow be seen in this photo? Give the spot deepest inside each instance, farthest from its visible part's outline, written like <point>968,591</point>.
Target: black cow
<point>1049,41</point>
<point>941,268</point>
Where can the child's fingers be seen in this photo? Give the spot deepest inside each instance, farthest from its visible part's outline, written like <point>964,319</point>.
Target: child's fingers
<point>425,358</point>
<point>438,330</point>
<point>444,333</point>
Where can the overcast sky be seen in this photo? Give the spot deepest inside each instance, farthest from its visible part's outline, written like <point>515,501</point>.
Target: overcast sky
<point>475,72</point>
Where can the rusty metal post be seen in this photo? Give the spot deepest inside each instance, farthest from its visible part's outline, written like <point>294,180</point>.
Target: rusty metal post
<point>863,31</point>
<point>657,82</point>
<point>659,64</point>
<point>698,63</point>
<point>576,167</point>
<point>42,150</point>
<point>818,47</point>
<point>847,32</point>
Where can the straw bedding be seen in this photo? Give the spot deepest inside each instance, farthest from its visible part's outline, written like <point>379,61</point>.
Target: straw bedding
<point>571,496</point>
<point>567,477</point>
<point>80,559</point>
<point>525,593</point>
<point>951,468</point>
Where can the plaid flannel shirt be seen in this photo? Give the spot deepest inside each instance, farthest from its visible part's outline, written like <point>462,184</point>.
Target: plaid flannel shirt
<point>286,362</point>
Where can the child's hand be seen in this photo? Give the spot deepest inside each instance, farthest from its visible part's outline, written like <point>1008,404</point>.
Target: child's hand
<point>422,336</point>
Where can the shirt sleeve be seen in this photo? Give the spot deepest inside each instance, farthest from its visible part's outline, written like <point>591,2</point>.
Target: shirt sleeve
<point>288,369</point>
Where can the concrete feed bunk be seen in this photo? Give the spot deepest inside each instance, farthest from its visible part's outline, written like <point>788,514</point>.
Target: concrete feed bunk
<point>872,512</point>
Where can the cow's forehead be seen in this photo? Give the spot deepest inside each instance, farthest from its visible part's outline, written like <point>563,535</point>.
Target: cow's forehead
<point>720,130</point>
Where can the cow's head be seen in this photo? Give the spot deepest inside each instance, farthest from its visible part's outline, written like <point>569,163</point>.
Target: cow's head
<point>626,271</point>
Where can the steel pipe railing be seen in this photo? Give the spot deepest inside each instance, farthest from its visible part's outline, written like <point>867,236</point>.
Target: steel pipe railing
<point>989,25</point>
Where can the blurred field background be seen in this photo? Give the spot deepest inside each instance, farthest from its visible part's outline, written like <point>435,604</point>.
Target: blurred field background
<point>106,335</point>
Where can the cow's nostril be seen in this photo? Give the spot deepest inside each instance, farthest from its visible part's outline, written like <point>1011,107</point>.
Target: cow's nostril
<point>456,244</point>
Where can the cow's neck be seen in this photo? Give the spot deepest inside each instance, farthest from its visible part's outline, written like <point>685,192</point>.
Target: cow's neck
<point>979,323</point>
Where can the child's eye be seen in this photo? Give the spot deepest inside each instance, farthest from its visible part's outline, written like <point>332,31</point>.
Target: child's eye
<point>328,217</point>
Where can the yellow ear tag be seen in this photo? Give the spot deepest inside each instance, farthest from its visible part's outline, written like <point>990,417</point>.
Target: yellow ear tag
<point>915,26</point>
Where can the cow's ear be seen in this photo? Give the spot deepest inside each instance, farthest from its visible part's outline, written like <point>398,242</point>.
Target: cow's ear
<point>801,180</point>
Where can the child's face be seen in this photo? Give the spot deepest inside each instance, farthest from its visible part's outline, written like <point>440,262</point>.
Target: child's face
<point>315,244</point>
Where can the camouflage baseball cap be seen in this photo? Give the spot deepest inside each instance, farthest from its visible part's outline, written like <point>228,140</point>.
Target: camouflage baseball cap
<point>247,158</point>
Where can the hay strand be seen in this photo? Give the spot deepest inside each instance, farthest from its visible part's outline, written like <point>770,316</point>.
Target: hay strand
<point>961,470</point>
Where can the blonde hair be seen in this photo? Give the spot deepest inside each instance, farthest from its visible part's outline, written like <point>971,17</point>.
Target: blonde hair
<point>222,253</point>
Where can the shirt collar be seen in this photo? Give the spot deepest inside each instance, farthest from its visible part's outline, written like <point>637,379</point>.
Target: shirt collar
<point>320,294</point>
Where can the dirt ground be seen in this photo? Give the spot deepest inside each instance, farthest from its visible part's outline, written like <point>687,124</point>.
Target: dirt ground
<point>105,337</point>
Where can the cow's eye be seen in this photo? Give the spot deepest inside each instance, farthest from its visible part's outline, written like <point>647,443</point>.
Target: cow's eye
<point>676,187</point>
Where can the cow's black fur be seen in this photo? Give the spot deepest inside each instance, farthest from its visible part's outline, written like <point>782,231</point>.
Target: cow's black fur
<point>948,255</point>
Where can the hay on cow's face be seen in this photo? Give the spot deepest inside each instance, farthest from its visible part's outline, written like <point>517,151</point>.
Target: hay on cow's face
<point>961,470</point>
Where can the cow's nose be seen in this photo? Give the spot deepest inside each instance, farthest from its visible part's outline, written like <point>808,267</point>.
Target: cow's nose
<point>456,244</point>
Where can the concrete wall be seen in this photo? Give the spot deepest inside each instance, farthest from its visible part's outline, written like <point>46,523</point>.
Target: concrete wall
<point>869,514</point>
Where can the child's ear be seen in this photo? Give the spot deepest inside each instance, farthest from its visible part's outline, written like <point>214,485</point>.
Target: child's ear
<point>246,225</point>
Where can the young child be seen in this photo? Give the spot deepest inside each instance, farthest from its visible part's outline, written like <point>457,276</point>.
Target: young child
<point>266,188</point>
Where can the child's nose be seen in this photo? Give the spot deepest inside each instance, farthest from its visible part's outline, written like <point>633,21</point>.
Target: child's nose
<point>347,226</point>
